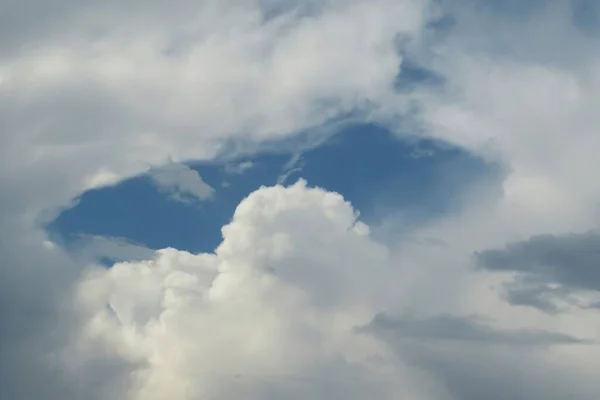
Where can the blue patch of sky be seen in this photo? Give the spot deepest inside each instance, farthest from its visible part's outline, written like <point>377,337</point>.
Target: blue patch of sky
<point>512,8</point>
<point>586,15</point>
<point>378,173</point>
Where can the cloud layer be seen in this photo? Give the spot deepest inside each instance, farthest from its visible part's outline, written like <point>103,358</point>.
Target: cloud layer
<point>93,93</point>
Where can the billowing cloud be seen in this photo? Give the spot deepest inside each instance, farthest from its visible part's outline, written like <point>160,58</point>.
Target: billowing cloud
<point>271,314</point>
<point>279,310</point>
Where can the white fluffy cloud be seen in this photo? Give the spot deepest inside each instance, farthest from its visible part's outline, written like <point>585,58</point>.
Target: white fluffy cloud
<point>273,313</point>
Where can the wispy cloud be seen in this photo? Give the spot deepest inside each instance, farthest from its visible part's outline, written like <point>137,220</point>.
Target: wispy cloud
<point>238,168</point>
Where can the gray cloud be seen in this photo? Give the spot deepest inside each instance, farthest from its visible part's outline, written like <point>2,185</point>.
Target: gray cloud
<point>181,182</point>
<point>466,329</point>
<point>548,267</point>
<point>534,295</point>
<point>474,361</point>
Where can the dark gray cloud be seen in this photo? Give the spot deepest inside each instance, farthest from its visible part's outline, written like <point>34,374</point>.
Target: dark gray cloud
<point>534,295</point>
<point>548,267</point>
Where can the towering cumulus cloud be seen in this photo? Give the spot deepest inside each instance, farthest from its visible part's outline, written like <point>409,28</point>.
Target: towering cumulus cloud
<point>272,314</point>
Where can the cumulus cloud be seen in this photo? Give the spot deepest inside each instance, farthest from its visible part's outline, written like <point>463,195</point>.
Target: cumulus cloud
<point>277,311</point>
<point>271,314</point>
<point>181,182</point>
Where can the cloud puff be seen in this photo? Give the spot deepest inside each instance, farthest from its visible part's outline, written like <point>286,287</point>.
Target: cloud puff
<point>271,314</point>
<point>181,182</point>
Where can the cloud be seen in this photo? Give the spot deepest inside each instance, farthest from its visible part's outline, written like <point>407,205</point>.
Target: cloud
<point>270,73</point>
<point>239,168</point>
<point>99,248</point>
<point>472,360</point>
<point>279,307</point>
<point>468,329</point>
<point>270,314</point>
<point>568,261</point>
<point>93,93</point>
<point>294,165</point>
<point>471,373</point>
<point>181,182</point>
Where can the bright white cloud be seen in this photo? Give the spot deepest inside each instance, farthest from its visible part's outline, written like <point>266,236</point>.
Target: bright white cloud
<point>273,313</point>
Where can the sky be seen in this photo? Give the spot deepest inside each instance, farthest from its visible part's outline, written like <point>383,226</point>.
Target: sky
<point>383,177</point>
<point>275,199</point>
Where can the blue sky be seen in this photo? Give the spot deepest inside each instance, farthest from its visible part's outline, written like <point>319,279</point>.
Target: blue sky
<point>381,175</point>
